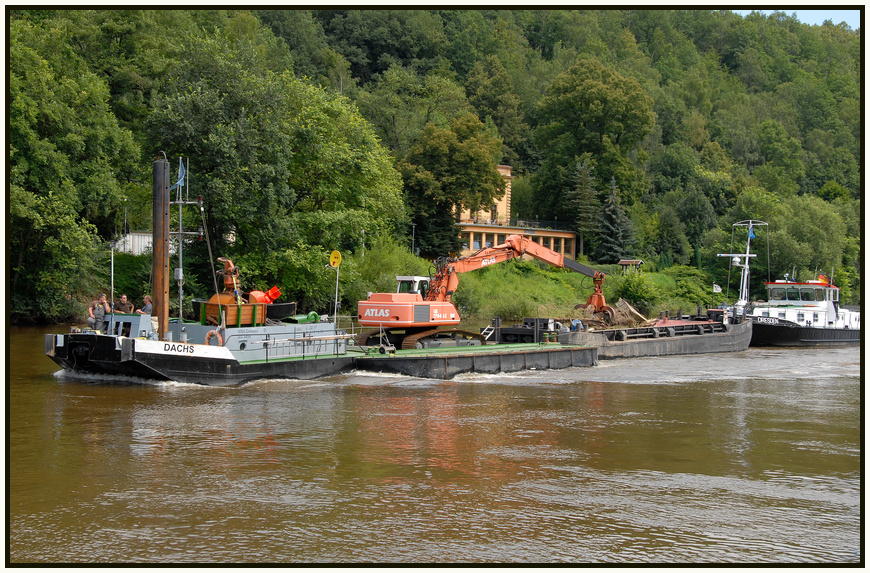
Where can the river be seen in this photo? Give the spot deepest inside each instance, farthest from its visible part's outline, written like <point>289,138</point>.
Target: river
<point>751,457</point>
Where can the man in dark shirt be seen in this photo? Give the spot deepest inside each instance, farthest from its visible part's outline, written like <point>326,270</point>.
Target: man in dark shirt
<point>123,305</point>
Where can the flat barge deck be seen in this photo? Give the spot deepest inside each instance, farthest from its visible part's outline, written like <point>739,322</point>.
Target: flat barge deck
<point>445,363</point>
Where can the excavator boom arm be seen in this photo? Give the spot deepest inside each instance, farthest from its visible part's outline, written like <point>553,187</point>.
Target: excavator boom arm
<point>444,283</point>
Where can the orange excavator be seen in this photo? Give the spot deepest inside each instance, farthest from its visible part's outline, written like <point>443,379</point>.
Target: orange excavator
<point>410,317</point>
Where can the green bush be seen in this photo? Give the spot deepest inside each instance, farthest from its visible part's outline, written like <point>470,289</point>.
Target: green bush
<point>636,288</point>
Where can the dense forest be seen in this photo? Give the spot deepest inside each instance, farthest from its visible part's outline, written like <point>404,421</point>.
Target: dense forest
<point>648,132</point>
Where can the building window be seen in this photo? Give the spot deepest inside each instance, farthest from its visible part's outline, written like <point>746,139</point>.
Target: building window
<point>502,239</point>
<point>557,244</point>
<point>493,213</point>
<point>464,238</point>
<point>546,242</point>
<point>487,239</point>
<point>569,247</point>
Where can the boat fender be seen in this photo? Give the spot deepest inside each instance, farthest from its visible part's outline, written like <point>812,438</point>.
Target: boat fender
<point>620,335</point>
<point>213,333</point>
<point>700,329</point>
<point>671,331</point>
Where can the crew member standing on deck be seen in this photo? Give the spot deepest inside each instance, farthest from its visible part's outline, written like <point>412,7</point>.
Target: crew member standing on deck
<point>97,312</point>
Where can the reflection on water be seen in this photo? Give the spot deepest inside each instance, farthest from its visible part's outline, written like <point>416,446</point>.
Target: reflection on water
<point>751,457</point>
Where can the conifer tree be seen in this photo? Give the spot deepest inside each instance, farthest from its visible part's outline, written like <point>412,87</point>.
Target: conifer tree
<point>616,234</point>
<point>583,204</point>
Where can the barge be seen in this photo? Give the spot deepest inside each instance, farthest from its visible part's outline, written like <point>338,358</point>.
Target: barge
<point>699,334</point>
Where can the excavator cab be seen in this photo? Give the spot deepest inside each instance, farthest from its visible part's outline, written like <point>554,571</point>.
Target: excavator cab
<point>413,285</point>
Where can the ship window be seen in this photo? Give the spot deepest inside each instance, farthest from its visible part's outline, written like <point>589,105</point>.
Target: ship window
<point>835,295</point>
<point>777,293</point>
<point>782,315</point>
<point>800,317</point>
<point>807,294</point>
<point>820,294</point>
<point>793,294</point>
<point>765,313</point>
<point>815,317</point>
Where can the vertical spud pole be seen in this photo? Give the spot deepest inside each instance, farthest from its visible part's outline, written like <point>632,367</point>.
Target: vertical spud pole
<point>160,262</point>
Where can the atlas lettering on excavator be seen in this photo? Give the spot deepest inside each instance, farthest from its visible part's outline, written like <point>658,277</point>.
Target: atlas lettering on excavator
<point>412,316</point>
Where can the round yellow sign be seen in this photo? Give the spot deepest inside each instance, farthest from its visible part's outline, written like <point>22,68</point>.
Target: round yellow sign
<point>335,259</point>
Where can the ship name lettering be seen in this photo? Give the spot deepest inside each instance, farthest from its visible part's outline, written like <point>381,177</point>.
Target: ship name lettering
<point>178,348</point>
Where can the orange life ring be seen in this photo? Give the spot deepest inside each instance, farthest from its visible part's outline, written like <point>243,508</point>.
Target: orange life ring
<point>212,333</point>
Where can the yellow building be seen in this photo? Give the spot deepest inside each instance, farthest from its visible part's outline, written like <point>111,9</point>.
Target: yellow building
<point>486,228</point>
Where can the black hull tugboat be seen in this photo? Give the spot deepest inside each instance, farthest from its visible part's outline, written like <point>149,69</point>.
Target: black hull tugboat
<point>803,314</point>
<point>234,340</point>
<point>795,313</point>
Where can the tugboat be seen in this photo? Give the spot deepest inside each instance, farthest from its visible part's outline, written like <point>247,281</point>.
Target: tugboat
<point>796,313</point>
<point>803,314</point>
<point>234,340</point>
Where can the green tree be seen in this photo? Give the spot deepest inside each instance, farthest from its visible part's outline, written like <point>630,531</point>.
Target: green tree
<point>490,90</point>
<point>67,154</point>
<point>616,235</point>
<point>400,102</point>
<point>279,162</point>
<point>375,40</point>
<point>591,109</point>
<point>584,208</point>
<point>450,169</point>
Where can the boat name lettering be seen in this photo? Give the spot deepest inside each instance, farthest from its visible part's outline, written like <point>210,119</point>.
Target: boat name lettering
<point>766,320</point>
<point>179,348</point>
<point>377,312</point>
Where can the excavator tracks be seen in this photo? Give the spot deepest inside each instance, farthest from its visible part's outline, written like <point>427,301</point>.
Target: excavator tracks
<point>444,337</point>
<point>433,338</point>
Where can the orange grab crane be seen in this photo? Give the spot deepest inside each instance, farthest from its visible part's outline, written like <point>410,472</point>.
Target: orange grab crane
<point>411,316</point>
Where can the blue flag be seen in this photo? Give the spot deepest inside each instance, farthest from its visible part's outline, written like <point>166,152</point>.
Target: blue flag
<point>751,232</point>
<point>180,175</point>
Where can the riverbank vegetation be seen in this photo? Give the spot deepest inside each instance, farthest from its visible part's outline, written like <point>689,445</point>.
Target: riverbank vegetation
<point>647,132</point>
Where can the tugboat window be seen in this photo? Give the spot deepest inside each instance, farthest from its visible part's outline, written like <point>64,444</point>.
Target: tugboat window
<point>820,294</point>
<point>807,294</point>
<point>782,315</point>
<point>793,294</point>
<point>777,293</point>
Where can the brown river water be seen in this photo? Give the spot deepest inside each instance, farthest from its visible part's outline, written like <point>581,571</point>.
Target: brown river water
<point>751,457</point>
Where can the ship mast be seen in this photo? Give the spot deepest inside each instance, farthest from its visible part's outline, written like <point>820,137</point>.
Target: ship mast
<point>160,245</point>
<point>741,260</point>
